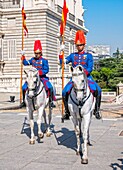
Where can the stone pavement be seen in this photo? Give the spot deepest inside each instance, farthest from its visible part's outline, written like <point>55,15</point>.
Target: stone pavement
<point>58,151</point>
<point>5,101</point>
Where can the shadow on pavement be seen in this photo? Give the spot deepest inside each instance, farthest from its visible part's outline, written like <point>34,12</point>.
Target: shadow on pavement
<point>116,166</point>
<point>26,129</point>
<point>67,138</point>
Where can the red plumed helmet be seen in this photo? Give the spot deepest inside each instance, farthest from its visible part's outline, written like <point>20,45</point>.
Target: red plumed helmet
<point>37,46</point>
<point>80,37</point>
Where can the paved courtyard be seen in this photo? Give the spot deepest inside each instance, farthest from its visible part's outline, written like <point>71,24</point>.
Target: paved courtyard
<point>58,151</point>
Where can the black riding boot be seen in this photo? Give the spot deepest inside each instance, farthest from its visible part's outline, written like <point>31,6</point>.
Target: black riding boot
<point>51,99</point>
<point>23,104</point>
<point>67,113</point>
<point>97,107</point>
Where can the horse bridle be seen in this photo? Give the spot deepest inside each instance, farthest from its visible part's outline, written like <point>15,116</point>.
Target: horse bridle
<point>81,103</point>
<point>35,95</point>
<point>36,89</point>
<point>75,89</point>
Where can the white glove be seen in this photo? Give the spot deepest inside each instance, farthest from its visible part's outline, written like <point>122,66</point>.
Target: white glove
<point>65,65</point>
<point>22,52</point>
<point>62,47</point>
<point>65,60</point>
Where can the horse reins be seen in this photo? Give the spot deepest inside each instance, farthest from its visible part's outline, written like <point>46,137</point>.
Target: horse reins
<point>32,98</point>
<point>81,103</point>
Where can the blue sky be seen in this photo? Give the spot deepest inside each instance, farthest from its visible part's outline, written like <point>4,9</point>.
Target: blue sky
<point>104,19</point>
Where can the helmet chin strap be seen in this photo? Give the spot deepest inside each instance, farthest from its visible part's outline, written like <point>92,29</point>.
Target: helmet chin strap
<point>37,56</point>
<point>80,51</point>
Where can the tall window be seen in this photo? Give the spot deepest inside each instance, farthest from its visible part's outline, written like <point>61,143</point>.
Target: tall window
<point>11,22</point>
<point>71,32</point>
<point>11,49</point>
<point>71,48</point>
<point>58,50</point>
<point>52,4</point>
<point>0,49</point>
<point>71,44</point>
<point>74,1</point>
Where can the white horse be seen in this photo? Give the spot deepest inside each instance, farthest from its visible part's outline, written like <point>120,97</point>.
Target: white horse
<point>36,99</point>
<point>81,104</point>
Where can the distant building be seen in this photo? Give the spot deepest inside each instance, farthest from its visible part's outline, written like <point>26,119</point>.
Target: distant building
<point>99,51</point>
<point>121,51</point>
<point>118,53</point>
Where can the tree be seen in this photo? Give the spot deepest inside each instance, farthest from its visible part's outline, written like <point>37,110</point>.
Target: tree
<point>109,72</point>
<point>105,74</point>
<point>96,75</point>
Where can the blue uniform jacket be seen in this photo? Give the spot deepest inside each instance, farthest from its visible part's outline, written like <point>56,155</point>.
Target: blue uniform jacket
<point>86,60</point>
<point>83,59</point>
<point>40,64</point>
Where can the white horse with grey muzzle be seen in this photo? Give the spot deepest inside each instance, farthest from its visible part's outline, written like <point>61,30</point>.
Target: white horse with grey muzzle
<point>36,99</point>
<point>81,104</point>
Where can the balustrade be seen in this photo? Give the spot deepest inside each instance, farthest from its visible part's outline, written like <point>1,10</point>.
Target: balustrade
<point>12,84</point>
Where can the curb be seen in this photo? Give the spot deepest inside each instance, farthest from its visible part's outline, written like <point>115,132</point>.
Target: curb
<point>18,106</point>
<point>11,108</point>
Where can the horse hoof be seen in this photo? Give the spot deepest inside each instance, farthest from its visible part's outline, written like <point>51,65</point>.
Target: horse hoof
<point>62,120</point>
<point>77,153</point>
<point>89,144</point>
<point>31,142</point>
<point>48,134</point>
<point>84,161</point>
<point>41,135</point>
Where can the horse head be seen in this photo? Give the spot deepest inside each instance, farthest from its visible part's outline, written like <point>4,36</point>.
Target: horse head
<point>33,81</point>
<point>79,82</point>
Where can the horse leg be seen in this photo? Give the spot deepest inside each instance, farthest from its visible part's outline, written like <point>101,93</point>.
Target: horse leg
<point>86,119</point>
<point>88,136</point>
<point>45,121</point>
<point>32,140</point>
<point>77,131</point>
<point>40,114</point>
<point>48,133</point>
<point>30,116</point>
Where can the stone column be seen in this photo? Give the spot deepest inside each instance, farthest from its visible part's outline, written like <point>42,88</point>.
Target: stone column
<point>119,88</point>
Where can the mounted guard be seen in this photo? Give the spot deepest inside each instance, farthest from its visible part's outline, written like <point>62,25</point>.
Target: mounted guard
<point>41,64</point>
<point>85,60</point>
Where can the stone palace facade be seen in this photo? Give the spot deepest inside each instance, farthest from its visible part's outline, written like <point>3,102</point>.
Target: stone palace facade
<point>43,22</point>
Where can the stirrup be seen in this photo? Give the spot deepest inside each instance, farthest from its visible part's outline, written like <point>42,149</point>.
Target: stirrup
<point>52,105</point>
<point>22,105</point>
<point>66,116</point>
